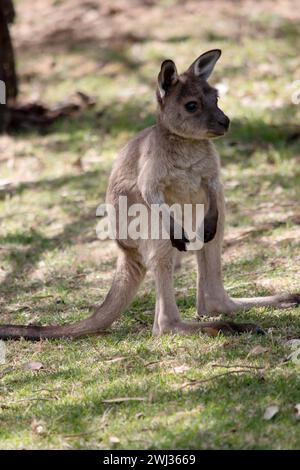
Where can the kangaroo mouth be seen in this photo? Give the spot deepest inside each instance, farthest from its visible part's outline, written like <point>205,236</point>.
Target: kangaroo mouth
<point>211,133</point>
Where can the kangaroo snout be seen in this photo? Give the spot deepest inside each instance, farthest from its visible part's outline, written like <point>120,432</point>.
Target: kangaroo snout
<point>224,121</point>
<point>218,124</point>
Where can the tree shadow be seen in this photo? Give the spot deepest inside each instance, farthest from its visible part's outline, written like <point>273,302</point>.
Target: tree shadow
<point>224,403</point>
<point>248,135</point>
<point>131,115</point>
<point>27,247</point>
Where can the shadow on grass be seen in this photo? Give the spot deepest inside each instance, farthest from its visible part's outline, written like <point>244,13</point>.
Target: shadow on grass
<point>132,116</point>
<point>24,249</point>
<point>89,180</point>
<point>247,136</point>
<point>226,405</point>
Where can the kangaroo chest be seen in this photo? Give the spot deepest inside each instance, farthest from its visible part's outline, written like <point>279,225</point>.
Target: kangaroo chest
<point>183,185</point>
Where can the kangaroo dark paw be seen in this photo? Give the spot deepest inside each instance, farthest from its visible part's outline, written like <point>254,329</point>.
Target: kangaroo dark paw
<point>210,228</point>
<point>229,328</point>
<point>247,328</point>
<point>180,243</point>
<point>289,300</point>
<point>209,235</point>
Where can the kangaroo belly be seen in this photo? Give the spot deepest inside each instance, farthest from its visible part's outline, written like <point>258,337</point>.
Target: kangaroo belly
<point>185,194</point>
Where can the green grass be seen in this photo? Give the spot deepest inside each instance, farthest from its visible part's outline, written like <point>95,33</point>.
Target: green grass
<point>53,268</point>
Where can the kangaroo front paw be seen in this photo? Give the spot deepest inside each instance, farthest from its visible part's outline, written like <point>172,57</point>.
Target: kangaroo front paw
<point>209,235</point>
<point>180,243</point>
<point>210,228</point>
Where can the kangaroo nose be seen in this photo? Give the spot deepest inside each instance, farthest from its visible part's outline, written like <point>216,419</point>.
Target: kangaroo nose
<point>224,121</point>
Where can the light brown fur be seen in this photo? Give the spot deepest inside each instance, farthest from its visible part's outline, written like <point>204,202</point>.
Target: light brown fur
<point>172,162</point>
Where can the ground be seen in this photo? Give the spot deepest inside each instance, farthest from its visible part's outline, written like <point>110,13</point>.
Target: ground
<point>53,268</point>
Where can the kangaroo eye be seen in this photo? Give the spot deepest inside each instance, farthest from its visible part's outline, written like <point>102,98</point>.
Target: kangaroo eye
<point>191,106</point>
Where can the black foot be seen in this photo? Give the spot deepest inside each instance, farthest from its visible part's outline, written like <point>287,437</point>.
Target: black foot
<point>180,243</point>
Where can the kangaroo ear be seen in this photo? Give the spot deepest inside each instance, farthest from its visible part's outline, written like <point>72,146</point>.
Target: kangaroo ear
<point>167,77</point>
<point>204,65</point>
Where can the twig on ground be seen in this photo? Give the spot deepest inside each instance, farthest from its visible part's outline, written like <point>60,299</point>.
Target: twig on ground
<point>124,399</point>
<point>193,383</point>
<point>48,390</point>
<point>151,363</point>
<point>26,400</point>
<point>245,366</point>
<point>80,434</point>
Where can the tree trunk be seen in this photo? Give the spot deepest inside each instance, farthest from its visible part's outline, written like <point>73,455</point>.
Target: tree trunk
<point>9,85</point>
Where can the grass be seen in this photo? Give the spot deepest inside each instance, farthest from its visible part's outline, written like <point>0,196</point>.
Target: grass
<point>53,268</point>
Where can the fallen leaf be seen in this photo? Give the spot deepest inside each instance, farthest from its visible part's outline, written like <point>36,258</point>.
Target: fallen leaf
<point>152,364</point>
<point>270,412</point>
<point>37,427</point>
<point>213,332</point>
<point>258,350</point>
<point>114,440</point>
<point>124,399</point>
<point>181,369</point>
<point>116,359</point>
<point>34,365</point>
<point>2,352</point>
<point>229,345</point>
<point>293,343</point>
<point>297,410</point>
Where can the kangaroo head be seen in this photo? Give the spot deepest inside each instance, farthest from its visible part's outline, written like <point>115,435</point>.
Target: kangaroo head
<point>187,104</point>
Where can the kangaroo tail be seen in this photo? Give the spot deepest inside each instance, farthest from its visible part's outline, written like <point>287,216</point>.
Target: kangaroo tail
<point>128,276</point>
<point>277,301</point>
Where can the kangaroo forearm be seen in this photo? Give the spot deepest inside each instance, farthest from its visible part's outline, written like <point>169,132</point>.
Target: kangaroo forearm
<point>212,215</point>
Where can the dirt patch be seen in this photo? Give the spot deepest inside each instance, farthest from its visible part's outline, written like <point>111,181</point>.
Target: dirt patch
<point>70,23</point>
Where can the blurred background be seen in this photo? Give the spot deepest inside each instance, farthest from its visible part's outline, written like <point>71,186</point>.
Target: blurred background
<point>72,55</point>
